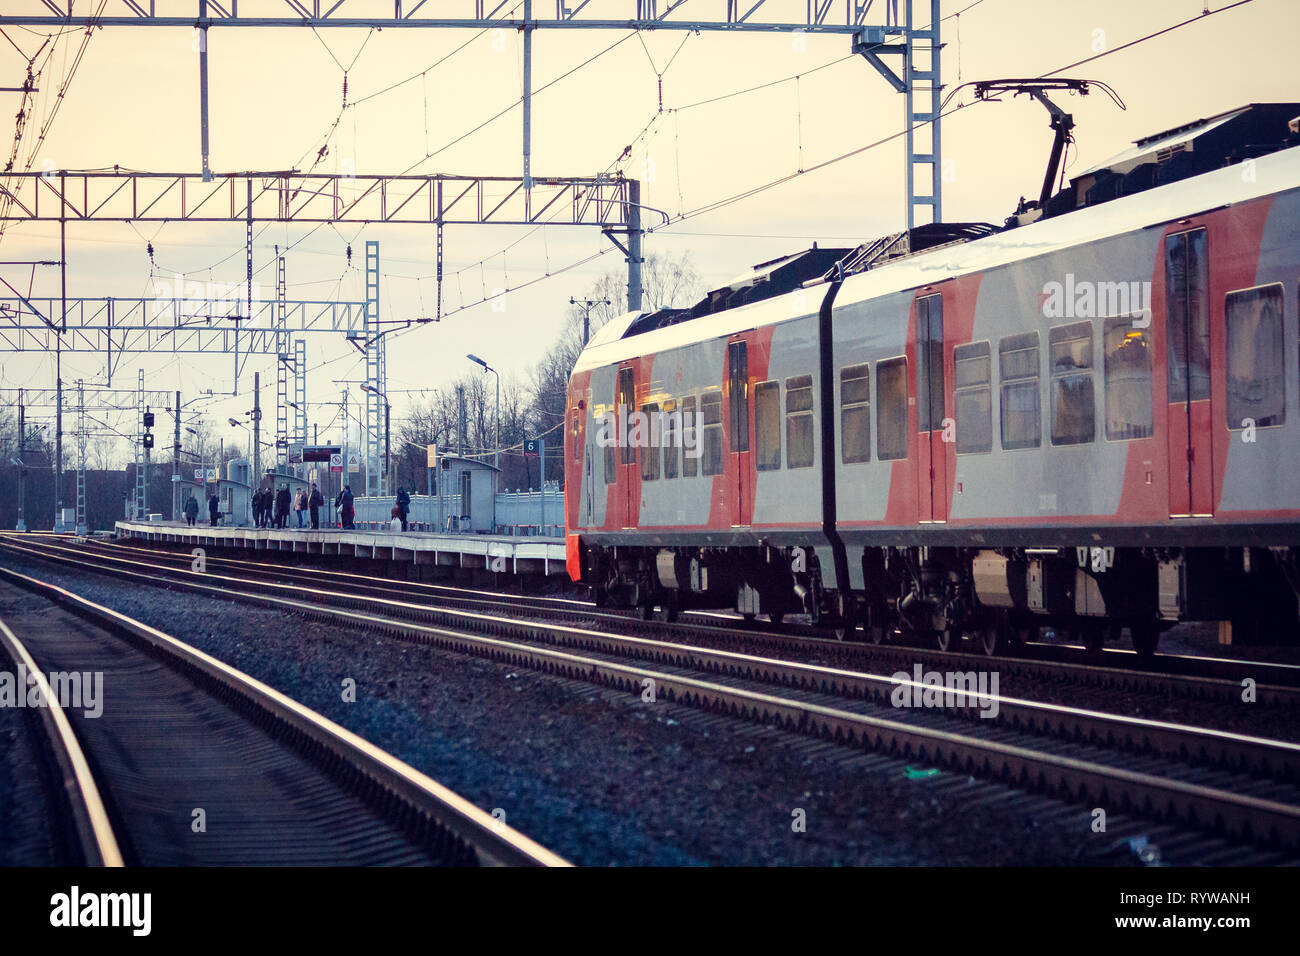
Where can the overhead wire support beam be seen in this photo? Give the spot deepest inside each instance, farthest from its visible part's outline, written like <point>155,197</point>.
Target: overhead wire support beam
<point>177,325</point>
<point>751,16</point>
<point>290,196</point>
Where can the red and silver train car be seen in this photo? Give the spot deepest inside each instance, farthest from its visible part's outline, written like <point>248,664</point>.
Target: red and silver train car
<point>1089,420</point>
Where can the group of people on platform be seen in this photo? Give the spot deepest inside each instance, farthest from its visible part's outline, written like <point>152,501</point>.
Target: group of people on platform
<point>191,509</point>
<point>271,508</point>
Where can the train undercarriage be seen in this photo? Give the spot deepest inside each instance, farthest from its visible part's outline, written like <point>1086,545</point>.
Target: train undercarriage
<point>993,597</point>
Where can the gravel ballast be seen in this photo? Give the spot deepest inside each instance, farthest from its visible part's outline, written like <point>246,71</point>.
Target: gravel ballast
<point>605,779</point>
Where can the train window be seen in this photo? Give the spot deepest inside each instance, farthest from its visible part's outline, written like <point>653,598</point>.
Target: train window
<point>1187,316</point>
<point>767,425</point>
<point>1256,357</point>
<point>929,363</point>
<point>626,403</point>
<point>672,439</point>
<point>799,422</point>
<point>891,409</point>
<point>1073,401</point>
<point>1018,372</point>
<point>650,443</point>
<point>711,413</point>
<point>691,447</point>
<point>1127,369</point>
<point>738,395</point>
<point>973,367</point>
<point>855,414</point>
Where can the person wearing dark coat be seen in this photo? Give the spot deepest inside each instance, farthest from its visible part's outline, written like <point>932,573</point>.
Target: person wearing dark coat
<point>214,508</point>
<point>347,511</point>
<point>314,503</point>
<point>191,509</point>
<point>257,508</point>
<point>403,506</point>
<point>282,507</point>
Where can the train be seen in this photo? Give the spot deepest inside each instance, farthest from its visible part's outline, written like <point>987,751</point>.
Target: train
<point>1084,418</point>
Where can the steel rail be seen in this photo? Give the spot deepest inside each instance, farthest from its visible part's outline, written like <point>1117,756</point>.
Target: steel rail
<point>95,836</point>
<point>490,840</point>
<point>1238,815</point>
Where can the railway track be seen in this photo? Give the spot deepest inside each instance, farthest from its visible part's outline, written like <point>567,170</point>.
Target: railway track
<point>1164,675</point>
<point>192,762</point>
<point>1242,787</point>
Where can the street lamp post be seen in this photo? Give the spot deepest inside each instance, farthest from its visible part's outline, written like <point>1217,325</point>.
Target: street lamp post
<point>496,454</point>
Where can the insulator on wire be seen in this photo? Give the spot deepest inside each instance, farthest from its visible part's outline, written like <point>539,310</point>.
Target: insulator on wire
<point>349,254</point>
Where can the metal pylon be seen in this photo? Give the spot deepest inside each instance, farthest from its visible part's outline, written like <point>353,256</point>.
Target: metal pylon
<point>922,96</point>
<point>141,456</point>
<point>375,377</point>
<point>281,368</point>
<point>81,457</point>
<point>300,391</point>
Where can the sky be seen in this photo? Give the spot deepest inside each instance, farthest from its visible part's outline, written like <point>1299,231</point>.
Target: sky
<point>275,95</point>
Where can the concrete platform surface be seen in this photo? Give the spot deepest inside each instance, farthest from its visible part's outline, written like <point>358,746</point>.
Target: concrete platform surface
<point>500,553</point>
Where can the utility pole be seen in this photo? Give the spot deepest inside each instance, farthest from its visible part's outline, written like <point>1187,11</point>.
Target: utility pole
<point>22,460</point>
<point>255,480</point>
<point>58,361</point>
<point>586,314</point>
<point>176,462</point>
<point>460,420</point>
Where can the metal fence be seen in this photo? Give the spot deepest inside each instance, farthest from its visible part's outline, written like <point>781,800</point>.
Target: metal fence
<point>518,513</point>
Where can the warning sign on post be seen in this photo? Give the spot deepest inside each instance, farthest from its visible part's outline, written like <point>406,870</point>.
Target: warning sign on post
<point>336,462</point>
<point>354,462</point>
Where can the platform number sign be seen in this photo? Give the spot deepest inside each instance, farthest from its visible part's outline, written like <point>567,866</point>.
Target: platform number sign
<point>533,446</point>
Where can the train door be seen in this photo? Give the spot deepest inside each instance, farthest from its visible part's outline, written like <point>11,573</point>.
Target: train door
<point>625,403</point>
<point>738,427</point>
<point>1191,416</point>
<point>932,459</point>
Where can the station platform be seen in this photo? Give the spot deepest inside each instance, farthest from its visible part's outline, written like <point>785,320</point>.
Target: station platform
<point>479,552</point>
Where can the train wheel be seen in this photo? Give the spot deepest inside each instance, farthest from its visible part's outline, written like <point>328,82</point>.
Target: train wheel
<point>1093,635</point>
<point>669,608</point>
<point>991,640</point>
<point>1146,636</point>
<point>846,614</point>
<point>600,596</point>
<point>776,617</point>
<point>645,611</point>
<point>877,634</point>
<point>948,639</point>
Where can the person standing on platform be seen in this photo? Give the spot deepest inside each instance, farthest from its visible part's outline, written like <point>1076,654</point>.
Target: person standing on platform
<point>214,508</point>
<point>300,504</point>
<point>282,502</point>
<point>403,506</point>
<point>315,501</point>
<point>191,509</point>
<point>347,511</point>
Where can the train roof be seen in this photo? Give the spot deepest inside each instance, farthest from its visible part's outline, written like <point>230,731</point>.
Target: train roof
<point>627,336</point>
